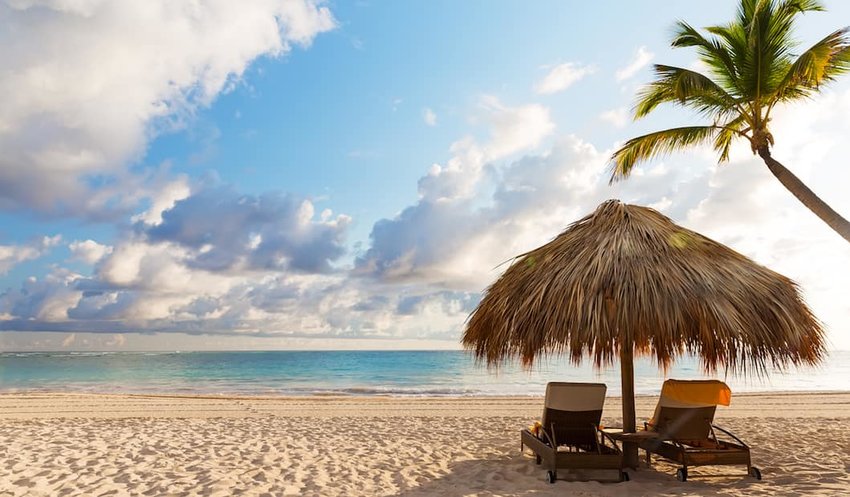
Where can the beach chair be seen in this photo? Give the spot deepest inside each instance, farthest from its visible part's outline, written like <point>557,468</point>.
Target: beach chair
<point>569,437</point>
<point>684,429</point>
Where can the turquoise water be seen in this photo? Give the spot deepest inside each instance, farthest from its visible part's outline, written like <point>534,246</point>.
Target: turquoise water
<point>351,372</point>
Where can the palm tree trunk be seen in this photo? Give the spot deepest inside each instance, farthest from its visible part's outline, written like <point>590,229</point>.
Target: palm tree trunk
<point>805,195</point>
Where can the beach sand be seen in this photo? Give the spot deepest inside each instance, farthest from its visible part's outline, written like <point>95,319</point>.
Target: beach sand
<point>67,444</point>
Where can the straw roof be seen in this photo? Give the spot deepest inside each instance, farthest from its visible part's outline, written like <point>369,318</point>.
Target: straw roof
<point>627,275</point>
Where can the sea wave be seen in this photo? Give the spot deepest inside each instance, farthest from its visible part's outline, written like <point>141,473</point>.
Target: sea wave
<point>74,354</point>
<point>389,391</point>
<point>399,374</point>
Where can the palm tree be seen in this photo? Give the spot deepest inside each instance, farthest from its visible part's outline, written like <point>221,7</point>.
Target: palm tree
<point>752,70</point>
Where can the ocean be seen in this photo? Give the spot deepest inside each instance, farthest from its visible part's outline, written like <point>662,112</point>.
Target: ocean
<point>397,373</point>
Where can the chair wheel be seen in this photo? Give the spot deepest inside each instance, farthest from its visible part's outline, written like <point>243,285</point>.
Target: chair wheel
<point>625,477</point>
<point>755,472</point>
<point>538,459</point>
<point>551,476</point>
<point>682,474</point>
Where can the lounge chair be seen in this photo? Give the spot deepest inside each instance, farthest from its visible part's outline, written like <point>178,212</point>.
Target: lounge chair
<point>569,437</point>
<point>684,429</point>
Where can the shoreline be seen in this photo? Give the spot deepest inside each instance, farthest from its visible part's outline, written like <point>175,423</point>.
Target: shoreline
<point>285,396</point>
<point>110,405</point>
<point>344,395</point>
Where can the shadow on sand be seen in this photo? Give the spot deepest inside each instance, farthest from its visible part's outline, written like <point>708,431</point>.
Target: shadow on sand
<point>518,476</point>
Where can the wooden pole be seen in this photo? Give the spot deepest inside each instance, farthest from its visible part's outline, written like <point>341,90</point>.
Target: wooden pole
<point>627,374</point>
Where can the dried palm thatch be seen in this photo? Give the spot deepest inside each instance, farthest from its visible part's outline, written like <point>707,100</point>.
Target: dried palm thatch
<point>626,278</point>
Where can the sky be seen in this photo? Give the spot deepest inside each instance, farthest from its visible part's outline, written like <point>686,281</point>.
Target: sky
<point>298,174</point>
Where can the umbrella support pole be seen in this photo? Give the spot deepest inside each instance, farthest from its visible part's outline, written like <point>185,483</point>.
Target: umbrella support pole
<point>627,374</point>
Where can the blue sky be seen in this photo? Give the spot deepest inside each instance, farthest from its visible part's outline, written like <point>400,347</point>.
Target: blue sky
<point>348,175</point>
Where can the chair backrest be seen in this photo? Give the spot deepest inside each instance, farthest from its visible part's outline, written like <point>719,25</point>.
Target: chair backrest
<point>572,410</point>
<point>686,408</point>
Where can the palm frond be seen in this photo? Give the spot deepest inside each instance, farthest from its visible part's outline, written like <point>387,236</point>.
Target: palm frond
<point>648,146</point>
<point>825,60</point>
<point>751,68</point>
<point>726,135</point>
<point>771,38</point>
<point>803,5</point>
<point>687,88</point>
<point>733,38</point>
<point>711,52</point>
<point>793,7</point>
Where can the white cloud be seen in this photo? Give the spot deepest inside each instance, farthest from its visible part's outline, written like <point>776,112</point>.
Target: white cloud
<point>562,77</point>
<point>512,129</point>
<point>619,117</point>
<point>115,341</point>
<point>224,230</point>
<point>164,199</point>
<point>429,116</point>
<point>459,243</point>
<point>145,287</point>
<point>221,262</point>
<point>641,58</point>
<point>216,262</point>
<point>456,243</point>
<point>424,269</point>
<point>12,255</point>
<point>87,84</point>
<point>88,251</point>
<point>40,300</point>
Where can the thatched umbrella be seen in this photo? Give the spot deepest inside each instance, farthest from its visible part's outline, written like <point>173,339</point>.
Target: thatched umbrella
<point>627,281</point>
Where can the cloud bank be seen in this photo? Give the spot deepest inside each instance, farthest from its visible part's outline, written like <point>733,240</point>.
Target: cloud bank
<point>12,255</point>
<point>207,259</point>
<point>86,85</point>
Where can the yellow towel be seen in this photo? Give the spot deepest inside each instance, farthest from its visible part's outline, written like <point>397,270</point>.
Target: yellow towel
<point>697,391</point>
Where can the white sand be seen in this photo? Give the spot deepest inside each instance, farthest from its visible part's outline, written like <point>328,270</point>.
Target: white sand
<point>61,444</point>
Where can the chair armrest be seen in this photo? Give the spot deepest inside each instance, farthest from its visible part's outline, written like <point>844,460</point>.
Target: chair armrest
<point>546,437</point>
<point>606,436</point>
<point>728,433</point>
